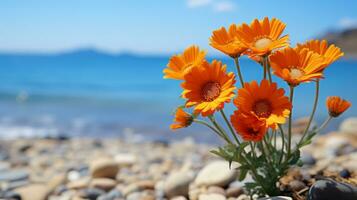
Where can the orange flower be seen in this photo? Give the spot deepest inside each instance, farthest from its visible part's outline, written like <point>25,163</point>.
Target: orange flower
<point>263,36</point>
<point>330,53</point>
<point>180,64</point>
<point>265,102</point>
<point>182,119</point>
<point>248,126</point>
<point>336,105</point>
<point>296,66</point>
<point>227,42</point>
<point>208,87</point>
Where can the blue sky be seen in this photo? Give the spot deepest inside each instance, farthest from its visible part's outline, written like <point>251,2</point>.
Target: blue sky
<point>154,26</point>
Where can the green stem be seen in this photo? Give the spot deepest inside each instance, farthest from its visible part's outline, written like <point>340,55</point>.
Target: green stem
<point>323,125</point>
<point>290,120</point>
<point>220,129</point>
<point>230,127</point>
<point>283,143</point>
<point>267,68</point>
<point>313,110</point>
<point>236,62</point>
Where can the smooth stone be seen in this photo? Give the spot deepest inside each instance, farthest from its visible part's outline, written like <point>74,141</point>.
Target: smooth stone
<point>79,184</point>
<point>104,168</point>
<point>349,125</point>
<point>16,184</point>
<point>10,195</point>
<point>105,184</point>
<point>4,166</point>
<point>131,189</point>
<point>125,159</point>
<point>73,175</point>
<point>211,197</point>
<point>216,173</point>
<point>33,192</point>
<point>177,184</point>
<point>308,159</point>
<point>329,189</point>
<point>112,195</point>
<point>14,175</point>
<point>276,198</point>
<point>345,173</point>
<point>179,198</point>
<point>216,190</point>
<point>296,185</point>
<point>90,193</point>
<point>56,181</point>
<point>234,192</point>
<point>243,197</point>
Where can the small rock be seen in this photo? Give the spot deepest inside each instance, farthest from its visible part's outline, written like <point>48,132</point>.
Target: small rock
<point>216,190</point>
<point>349,125</point>
<point>10,195</point>
<point>345,173</point>
<point>308,159</point>
<point>112,195</point>
<point>33,192</point>
<point>79,184</point>
<point>179,198</point>
<point>209,175</point>
<point>276,198</point>
<point>90,193</point>
<point>211,197</point>
<point>104,168</point>
<point>105,184</point>
<point>125,159</point>
<point>177,184</point>
<point>234,192</point>
<point>13,175</point>
<point>243,197</point>
<point>329,189</point>
<point>296,185</point>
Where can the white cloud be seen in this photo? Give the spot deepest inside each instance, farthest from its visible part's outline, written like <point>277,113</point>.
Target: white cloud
<point>348,23</point>
<point>215,5</point>
<point>198,3</point>
<point>224,6</point>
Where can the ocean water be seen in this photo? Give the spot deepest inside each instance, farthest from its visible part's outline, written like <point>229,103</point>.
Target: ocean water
<point>87,93</point>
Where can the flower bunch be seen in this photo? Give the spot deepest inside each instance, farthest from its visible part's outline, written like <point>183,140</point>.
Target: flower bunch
<point>263,112</point>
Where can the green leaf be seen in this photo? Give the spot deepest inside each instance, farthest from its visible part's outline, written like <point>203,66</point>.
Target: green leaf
<point>243,173</point>
<point>295,157</point>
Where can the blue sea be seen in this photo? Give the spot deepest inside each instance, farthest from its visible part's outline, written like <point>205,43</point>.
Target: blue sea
<point>92,94</point>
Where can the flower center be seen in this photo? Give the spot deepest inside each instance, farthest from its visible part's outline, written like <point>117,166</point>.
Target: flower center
<point>262,108</point>
<point>210,91</point>
<point>262,43</point>
<point>296,73</point>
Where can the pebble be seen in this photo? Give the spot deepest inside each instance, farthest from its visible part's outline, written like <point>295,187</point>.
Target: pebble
<point>296,185</point>
<point>33,192</point>
<point>211,197</point>
<point>104,168</point>
<point>216,190</point>
<point>79,184</point>
<point>125,159</point>
<point>105,184</point>
<point>90,193</point>
<point>329,189</point>
<point>14,175</point>
<point>112,195</point>
<point>349,125</point>
<point>345,173</point>
<point>234,192</point>
<point>208,176</point>
<point>177,184</point>
<point>276,198</point>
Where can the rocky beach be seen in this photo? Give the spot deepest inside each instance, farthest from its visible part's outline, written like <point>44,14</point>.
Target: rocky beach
<point>116,169</point>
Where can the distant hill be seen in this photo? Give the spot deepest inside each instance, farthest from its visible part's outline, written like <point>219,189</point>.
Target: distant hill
<point>346,40</point>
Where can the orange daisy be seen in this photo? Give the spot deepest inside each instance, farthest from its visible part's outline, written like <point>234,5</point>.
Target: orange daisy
<point>265,102</point>
<point>227,41</point>
<point>249,127</point>
<point>330,53</point>
<point>336,105</point>
<point>208,87</point>
<point>182,119</point>
<point>181,63</point>
<point>263,36</point>
<point>296,66</point>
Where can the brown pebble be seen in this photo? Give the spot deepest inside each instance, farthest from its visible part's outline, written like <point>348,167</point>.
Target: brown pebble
<point>234,192</point>
<point>216,190</point>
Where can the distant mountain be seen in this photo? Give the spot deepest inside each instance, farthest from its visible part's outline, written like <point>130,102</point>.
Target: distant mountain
<point>345,39</point>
